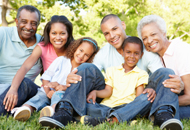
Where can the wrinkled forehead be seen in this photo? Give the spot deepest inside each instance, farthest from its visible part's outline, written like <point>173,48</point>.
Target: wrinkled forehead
<point>28,15</point>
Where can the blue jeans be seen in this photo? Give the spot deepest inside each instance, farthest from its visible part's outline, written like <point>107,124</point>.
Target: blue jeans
<point>40,100</point>
<point>141,106</point>
<point>184,112</point>
<point>27,89</point>
<point>92,79</point>
<point>125,112</point>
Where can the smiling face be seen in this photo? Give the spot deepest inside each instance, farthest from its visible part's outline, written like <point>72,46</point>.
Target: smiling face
<point>153,38</point>
<point>114,32</point>
<point>27,24</point>
<point>58,35</point>
<point>131,53</point>
<point>83,53</point>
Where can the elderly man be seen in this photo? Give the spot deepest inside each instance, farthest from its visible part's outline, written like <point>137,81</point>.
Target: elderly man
<point>16,45</point>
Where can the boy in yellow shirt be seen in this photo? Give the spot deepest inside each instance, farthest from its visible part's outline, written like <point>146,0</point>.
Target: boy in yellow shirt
<point>123,84</point>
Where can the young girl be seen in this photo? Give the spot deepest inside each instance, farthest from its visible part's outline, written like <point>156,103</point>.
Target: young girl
<point>56,38</point>
<point>82,50</point>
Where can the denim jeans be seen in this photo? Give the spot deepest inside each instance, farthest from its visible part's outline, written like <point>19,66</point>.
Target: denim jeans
<point>140,106</point>
<point>125,112</point>
<point>40,100</point>
<point>184,112</point>
<point>27,89</point>
<point>93,79</point>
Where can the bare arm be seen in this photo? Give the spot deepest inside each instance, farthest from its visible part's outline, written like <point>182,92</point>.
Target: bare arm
<point>185,99</point>
<point>139,90</point>
<point>45,86</point>
<point>104,93</point>
<point>11,97</point>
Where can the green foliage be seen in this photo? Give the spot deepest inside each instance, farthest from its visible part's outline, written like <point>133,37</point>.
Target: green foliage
<point>176,13</point>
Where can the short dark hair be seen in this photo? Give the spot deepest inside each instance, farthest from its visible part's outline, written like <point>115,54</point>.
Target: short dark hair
<point>107,17</point>
<point>29,8</point>
<point>58,19</point>
<point>132,39</point>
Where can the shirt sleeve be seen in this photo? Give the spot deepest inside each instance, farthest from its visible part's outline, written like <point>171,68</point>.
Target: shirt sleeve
<point>143,78</point>
<point>98,60</point>
<point>40,44</point>
<point>183,65</point>
<point>2,36</point>
<point>153,61</point>
<point>49,73</point>
<point>109,76</point>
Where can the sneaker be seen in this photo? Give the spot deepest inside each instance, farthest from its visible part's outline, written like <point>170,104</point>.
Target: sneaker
<point>47,111</point>
<point>21,113</point>
<point>88,120</point>
<point>172,124</point>
<point>164,118</point>
<point>62,116</point>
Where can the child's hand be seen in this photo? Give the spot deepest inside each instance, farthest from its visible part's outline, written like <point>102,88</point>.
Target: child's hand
<point>91,95</point>
<point>61,87</point>
<point>73,77</point>
<point>50,94</point>
<point>151,94</point>
<point>52,84</point>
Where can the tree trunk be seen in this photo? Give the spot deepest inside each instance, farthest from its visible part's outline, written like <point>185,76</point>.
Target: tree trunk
<point>4,12</point>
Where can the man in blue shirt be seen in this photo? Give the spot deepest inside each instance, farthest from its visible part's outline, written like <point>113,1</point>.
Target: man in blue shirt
<point>16,45</point>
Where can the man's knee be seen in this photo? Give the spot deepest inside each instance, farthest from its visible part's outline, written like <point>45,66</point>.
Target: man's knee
<point>86,66</point>
<point>164,71</point>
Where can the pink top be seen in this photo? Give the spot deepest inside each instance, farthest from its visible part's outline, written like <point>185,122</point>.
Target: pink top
<point>177,57</point>
<point>48,54</point>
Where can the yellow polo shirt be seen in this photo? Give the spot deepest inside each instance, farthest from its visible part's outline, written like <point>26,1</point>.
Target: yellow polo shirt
<point>123,84</point>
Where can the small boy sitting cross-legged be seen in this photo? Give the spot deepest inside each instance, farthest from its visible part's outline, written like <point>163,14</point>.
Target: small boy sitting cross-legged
<point>123,84</point>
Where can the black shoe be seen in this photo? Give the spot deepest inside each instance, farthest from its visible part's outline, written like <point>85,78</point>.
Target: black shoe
<point>88,120</point>
<point>164,118</point>
<point>62,116</point>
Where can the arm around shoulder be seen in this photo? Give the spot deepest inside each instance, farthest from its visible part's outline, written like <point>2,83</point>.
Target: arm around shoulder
<point>184,100</point>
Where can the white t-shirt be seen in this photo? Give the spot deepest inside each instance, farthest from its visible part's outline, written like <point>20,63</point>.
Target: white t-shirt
<point>58,71</point>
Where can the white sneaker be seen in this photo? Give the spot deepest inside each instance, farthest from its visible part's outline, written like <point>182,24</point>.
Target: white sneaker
<point>21,113</point>
<point>47,111</point>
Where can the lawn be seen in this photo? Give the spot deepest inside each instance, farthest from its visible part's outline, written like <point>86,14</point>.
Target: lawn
<point>32,124</point>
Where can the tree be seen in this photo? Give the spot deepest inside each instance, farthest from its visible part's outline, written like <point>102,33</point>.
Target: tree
<point>13,5</point>
<point>5,6</point>
<point>176,13</point>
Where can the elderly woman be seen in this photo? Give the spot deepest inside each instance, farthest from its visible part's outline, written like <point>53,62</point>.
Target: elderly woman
<point>174,54</point>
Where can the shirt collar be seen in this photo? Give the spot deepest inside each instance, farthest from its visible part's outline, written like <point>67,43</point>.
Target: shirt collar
<point>15,36</point>
<point>135,69</point>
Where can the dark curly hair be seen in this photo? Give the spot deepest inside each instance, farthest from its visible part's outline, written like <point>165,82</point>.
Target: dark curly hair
<point>75,44</point>
<point>58,19</point>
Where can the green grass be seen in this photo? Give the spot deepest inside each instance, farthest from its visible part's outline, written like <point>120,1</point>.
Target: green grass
<point>32,124</point>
